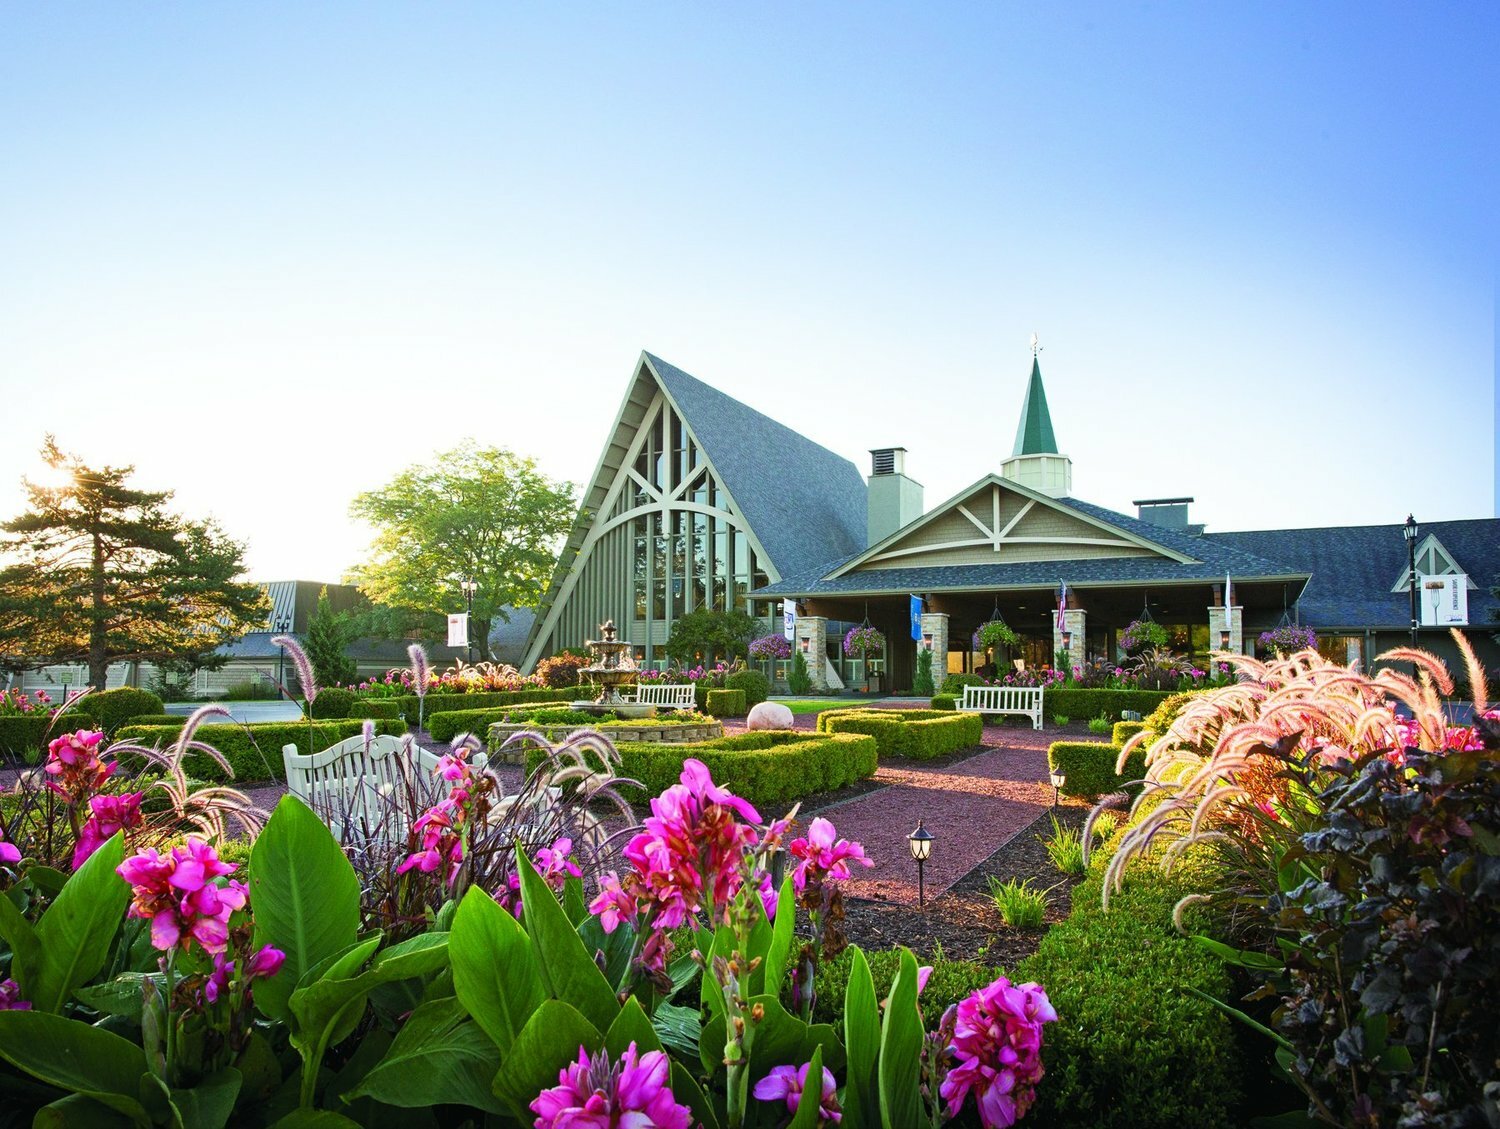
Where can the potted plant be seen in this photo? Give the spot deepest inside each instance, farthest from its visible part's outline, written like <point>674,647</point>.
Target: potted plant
<point>865,643</point>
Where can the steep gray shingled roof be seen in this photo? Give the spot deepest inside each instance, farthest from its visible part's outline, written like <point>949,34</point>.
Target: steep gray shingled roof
<point>1354,567</point>
<point>805,503</point>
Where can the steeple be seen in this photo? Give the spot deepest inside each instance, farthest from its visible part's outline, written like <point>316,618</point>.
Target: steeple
<point>1034,435</point>
<point>1035,461</point>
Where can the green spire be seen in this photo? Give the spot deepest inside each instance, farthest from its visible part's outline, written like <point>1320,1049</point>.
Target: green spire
<point>1034,435</point>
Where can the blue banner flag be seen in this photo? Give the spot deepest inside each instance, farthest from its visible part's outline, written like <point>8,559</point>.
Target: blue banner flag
<point>916,618</point>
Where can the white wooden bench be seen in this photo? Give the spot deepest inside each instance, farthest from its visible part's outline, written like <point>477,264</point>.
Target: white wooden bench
<point>666,695</point>
<point>352,780</point>
<point>1023,701</point>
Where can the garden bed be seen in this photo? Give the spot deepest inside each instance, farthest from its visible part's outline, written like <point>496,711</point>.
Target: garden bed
<point>662,731</point>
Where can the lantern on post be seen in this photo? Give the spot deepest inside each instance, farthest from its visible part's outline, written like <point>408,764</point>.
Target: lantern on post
<point>920,841</point>
<point>1058,780</point>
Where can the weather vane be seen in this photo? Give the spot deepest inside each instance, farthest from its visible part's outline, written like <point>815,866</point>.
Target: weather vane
<point>1035,348</point>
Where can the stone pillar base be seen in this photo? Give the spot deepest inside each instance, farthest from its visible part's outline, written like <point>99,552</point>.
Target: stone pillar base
<point>1234,622</point>
<point>1074,621</point>
<point>812,641</point>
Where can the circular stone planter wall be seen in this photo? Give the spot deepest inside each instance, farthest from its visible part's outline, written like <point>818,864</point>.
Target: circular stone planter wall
<point>659,732</point>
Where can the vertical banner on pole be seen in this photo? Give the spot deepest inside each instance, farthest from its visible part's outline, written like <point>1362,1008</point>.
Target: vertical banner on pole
<point>458,629</point>
<point>916,618</point>
<point>789,619</point>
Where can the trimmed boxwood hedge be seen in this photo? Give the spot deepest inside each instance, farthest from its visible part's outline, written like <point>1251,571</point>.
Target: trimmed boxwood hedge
<point>917,734</point>
<point>406,704</point>
<point>950,982</point>
<point>954,683</point>
<point>947,702</point>
<point>768,768</point>
<point>253,751</point>
<point>1125,730</point>
<point>376,707</point>
<point>110,709</point>
<point>757,686</point>
<point>726,703</point>
<point>1078,703</point>
<point>24,736</point>
<point>332,702</point>
<point>1090,767</point>
<point>1132,1047</point>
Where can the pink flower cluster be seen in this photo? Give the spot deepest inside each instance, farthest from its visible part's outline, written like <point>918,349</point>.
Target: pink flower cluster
<point>553,864</point>
<point>440,829</point>
<point>180,895</point>
<point>687,860</point>
<point>786,1083</point>
<point>997,1042</point>
<point>14,702</point>
<point>10,997</point>
<point>73,759</point>
<point>822,857</point>
<point>109,814</point>
<point>595,1093</point>
<point>10,855</point>
<point>266,962</point>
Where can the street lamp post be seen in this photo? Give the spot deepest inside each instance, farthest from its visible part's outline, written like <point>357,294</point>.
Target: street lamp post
<point>1409,531</point>
<point>469,588</point>
<point>281,625</point>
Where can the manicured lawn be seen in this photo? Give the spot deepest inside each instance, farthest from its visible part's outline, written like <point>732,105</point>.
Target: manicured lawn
<point>807,705</point>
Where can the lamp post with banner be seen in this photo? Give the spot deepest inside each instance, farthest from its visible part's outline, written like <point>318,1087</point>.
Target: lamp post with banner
<point>469,588</point>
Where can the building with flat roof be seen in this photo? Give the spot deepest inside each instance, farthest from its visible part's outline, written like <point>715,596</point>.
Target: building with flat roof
<point>701,501</point>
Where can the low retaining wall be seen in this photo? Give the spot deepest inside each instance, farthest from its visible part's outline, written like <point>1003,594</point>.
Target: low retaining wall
<point>653,731</point>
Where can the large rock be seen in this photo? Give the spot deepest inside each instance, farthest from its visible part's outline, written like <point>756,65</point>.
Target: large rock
<point>769,715</point>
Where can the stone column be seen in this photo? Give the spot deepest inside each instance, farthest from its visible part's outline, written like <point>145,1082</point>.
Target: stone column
<point>935,635</point>
<point>1234,621</point>
<point>812,641</point>
<point>1074,621</point>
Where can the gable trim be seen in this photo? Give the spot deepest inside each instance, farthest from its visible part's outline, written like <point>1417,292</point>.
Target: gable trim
<point>1439,556</point>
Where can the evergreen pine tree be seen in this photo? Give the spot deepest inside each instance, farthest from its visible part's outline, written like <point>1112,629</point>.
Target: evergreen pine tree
<point>329,634</point>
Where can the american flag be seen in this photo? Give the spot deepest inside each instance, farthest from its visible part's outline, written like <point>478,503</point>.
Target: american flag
<point>1062,603</point>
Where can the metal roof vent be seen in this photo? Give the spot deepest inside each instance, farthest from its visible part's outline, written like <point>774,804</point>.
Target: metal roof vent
<point>888,460</point>
<point>1169,513</point>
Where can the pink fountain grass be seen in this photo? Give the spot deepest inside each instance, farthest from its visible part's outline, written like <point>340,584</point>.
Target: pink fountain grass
<point>305,676</point>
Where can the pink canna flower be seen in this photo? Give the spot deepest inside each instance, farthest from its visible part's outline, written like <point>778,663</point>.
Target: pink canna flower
<point>110,814</point>
<point>822,857</point>
<point>179,894</point>
<point>10,855</point>
<point>441,843</point>
<point>554,865</point>
<point>786,1083</point>
<point>997,1044</point>
<point>74,760</point>
<point>595,1093</point>
<point>10,997</point>
<point>614,904</point>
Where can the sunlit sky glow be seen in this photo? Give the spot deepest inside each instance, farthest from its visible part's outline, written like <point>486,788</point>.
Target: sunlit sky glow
<point>270,255</point>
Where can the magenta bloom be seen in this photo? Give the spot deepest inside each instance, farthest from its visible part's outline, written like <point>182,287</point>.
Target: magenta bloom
<point>266,962</point>
<point>823,857</point>
<point>10,855</point>
<point>178,893</point>
<point>10,997</point>
<point>595,1093</point>
<point>74,759</point>
<point>110,814</point>
<point>786,1083</point>
<point>442,845</point>
<point>997,1045</point>
<point>554,865</point>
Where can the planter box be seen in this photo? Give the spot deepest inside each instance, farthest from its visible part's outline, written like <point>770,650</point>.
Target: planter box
<point>655,732</point>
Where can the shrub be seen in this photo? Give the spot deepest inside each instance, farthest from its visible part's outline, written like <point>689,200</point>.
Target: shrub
<point>917,734</point>
<point>1099,724</point>
<point>1132,1046</point>
<point>253,751</point>
<point>947,702</point>
<point>112,708</point>
<point>954,683</point>
<point>561,670</point>
<point>797,679</point>
<point>375,707</point>
<point>331,702</point>
<point>951,981</point>
<point>770,769</point>
<point>444,703</point>
<point>249,690</point>
<point>1061,719</point>
<point>24,736</point>
<point>1090,767</point>
<point>922,682</point>
<point>1109,703</point>
<point>1125,730</point>
<point>1161,716</point>
<point>725,703</point>
<point>756,686</point>
<point>1020,906</point>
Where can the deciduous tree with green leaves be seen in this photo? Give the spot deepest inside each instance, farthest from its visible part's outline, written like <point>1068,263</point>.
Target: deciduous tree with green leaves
<point>473,513</point>
<point>101,573</point>
<point>708,635</point>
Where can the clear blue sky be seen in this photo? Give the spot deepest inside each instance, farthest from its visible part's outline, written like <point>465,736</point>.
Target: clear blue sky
<point>271,254</point>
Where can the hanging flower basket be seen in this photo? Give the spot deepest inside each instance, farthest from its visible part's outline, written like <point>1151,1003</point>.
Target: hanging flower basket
<point>1288,639</point>
<point>771,647</point>
<point>863,642</point>
<point>995,633</point>
<point>1143,635</point>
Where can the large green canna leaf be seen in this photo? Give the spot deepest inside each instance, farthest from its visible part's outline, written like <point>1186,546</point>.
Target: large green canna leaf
<point>632,1025</point>
<point>74,935</point>
<point>494,969</point>
<point>305,896</point>
<point>209,1104</point>
<point>567,970</point>
<point>783,939</point>
<point>810,1103</point>
<point>548,1043</point>
<point>861,1041</point>
<point>76,1057</point>
<point>20,935</point>
<point>78,1112</point>
<point>439,1057</point>
<point>900,1069</point>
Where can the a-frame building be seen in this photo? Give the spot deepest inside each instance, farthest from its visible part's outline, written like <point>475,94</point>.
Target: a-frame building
<point>697,500</point>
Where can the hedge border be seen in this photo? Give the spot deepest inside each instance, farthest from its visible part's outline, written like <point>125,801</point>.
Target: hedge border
<point>914,734</point>
<point>768,768</point>
<point>725,703</point>
<point>254,750</point>
<point>1089,767</point>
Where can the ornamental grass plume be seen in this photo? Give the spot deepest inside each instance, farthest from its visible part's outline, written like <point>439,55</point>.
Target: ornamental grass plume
<point>420,673</point>
<point>1211,772</point>
<point>306,680</point>
<point>598,1093</point>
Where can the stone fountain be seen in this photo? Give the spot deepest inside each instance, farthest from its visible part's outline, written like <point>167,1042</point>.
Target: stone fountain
<point>612,668</point>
